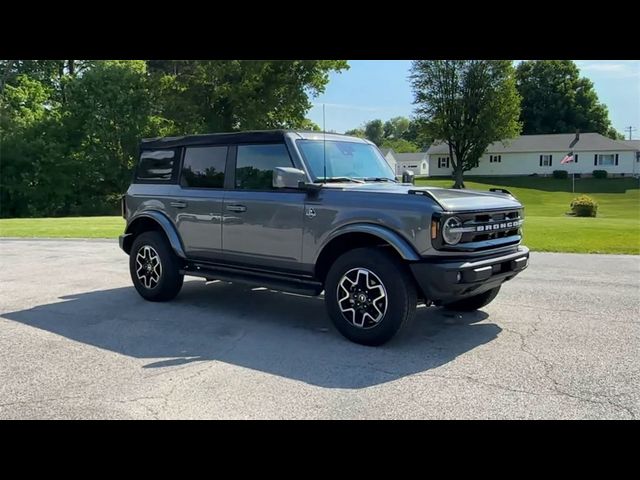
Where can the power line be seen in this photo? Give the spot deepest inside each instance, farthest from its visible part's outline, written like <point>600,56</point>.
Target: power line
<point>630,129</point>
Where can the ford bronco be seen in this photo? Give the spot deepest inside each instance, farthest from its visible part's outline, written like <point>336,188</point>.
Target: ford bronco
<point>308,212</point>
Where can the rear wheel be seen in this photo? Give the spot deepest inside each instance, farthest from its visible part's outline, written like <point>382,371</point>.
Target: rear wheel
<point>473,303</point>
<point>369,295</point>
<point>154,267</point>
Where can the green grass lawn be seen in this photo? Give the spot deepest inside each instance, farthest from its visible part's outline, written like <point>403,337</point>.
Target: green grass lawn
<point>69,227</point>
<point>616,229</point>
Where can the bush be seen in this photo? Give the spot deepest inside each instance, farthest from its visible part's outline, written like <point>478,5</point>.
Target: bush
<point>584,206</point>
<point>560,174</point>
<point>599,174</point>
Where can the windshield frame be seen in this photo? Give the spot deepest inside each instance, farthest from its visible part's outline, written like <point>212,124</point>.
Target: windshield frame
<point>389,174</point>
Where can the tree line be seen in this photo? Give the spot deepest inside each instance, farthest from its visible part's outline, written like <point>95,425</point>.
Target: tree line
<point>70,129</point>
<point>551,95</point>
<point>473,103</point>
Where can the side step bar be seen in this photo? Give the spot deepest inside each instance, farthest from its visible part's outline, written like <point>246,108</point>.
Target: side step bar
<point>273,281</point>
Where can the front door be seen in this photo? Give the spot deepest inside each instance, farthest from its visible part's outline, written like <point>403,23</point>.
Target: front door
<point>262,226</point>
<point>198,210</point>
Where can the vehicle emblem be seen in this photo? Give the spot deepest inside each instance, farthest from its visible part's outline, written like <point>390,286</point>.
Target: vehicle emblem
<point>310,213</point>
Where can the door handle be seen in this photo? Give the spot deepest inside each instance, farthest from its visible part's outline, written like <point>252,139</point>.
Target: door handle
<point>178,204</point>
<point>236,208</point>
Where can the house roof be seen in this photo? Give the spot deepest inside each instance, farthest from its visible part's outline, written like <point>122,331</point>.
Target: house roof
<point>632,143</point>
<point>547,143</point>
<point>410,157</point>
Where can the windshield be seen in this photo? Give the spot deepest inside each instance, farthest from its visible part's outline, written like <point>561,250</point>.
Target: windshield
<point>345,161</point>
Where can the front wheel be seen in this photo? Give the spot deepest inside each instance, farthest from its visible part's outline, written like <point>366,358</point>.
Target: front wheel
<point>473,303</point>
<point>154,267</point>
<point>370,295</point>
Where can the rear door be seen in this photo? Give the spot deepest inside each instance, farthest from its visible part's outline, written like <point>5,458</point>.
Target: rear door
<point>198,210</point>
<point>262,226</point>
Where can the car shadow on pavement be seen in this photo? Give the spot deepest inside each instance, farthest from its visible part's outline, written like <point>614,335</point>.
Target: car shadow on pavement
<point>280,334</point>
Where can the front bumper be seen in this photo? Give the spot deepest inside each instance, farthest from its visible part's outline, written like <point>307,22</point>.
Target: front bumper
<point>442,281</point>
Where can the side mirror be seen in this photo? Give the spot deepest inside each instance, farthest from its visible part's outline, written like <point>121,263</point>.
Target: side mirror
<point>408,177</point>
<point>288,177</point>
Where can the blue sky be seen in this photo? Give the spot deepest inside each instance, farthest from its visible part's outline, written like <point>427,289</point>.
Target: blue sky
<point>380,89</point>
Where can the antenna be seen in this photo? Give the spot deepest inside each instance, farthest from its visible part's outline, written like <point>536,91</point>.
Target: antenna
<point>324,144</point>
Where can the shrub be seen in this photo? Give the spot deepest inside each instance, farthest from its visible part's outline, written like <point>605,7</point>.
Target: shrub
<point>584,206</point>
<point>599,174</point>
<point>560,174</point>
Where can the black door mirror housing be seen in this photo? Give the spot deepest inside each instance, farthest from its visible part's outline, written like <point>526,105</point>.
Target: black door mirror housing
<point>408,177</point>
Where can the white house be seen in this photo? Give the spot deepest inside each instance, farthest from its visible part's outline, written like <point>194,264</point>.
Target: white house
<point>399,162</point>
<point>541,154</point>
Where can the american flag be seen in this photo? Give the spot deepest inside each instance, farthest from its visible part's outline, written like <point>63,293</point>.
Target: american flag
<point>568,158</point>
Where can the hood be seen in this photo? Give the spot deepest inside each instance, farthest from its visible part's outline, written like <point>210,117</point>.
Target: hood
<point>449,199</point>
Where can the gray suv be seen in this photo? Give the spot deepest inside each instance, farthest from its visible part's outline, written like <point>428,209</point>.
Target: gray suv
<point>306,212</point>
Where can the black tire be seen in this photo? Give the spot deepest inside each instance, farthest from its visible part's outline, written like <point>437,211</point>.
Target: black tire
<point>471,304</point>
<point>397,285</point>
<point>168,282</point>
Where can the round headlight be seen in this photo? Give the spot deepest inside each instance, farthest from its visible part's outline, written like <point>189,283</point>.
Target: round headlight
<point>447,235</point>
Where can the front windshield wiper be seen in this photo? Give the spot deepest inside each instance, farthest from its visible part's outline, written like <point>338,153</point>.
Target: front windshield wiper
<point>337,179</point>
<point>380,179</point>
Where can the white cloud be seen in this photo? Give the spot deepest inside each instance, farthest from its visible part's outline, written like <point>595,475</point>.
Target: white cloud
<point>630,68</point>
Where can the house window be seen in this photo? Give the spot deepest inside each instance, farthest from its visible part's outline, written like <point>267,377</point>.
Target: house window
<point>607,159</point>
<point>495,158</point>
<point>545,160</point>
<point>443,162</point>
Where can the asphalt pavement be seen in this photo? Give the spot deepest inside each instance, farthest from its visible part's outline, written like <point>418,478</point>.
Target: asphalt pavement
<point>562,340</point>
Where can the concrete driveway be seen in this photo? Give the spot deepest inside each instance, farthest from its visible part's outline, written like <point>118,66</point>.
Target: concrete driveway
<point>562,340</point>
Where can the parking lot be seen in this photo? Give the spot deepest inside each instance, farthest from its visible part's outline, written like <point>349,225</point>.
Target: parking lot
<point>562,340</point>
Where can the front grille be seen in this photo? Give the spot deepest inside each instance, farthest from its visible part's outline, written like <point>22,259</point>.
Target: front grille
<point>488,222</point>
<point>487,230</point>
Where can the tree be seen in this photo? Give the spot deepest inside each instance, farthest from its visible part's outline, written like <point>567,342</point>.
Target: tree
<point>70,129</point>
<point>307,124</point>
<point>374,131</point>
<point>356,132</point>
<point>467,103</point>
<point>400,145</point>
<point>418,135</point>
<point>555,99</point>
<point>227,95</point>
<point>109,109</point>
<point>396,127</point>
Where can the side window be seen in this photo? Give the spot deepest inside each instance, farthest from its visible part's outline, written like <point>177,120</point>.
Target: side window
<point>156,165</point>
<point>203,167</point>
<point>255,163</point>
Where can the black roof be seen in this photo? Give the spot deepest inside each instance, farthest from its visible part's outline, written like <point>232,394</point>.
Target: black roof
<point>256,136</point>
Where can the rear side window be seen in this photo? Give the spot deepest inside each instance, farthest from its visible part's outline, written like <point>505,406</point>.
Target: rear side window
<point>156,165</point>
<point>203,167</point>
<point>255,164</point>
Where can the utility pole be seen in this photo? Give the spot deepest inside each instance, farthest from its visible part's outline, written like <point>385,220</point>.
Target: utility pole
<point>630,129</point>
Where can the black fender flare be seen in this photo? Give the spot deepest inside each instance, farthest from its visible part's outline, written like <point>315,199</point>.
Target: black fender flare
<point>402,246</point>
<point>167,227</point>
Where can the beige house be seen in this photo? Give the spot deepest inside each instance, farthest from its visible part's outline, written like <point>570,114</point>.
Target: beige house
<point>541,154</point>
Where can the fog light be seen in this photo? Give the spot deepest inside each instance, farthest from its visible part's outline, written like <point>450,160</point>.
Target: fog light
<point>458,277</point>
